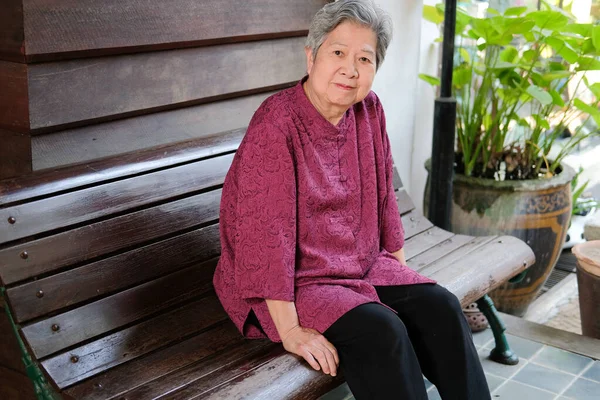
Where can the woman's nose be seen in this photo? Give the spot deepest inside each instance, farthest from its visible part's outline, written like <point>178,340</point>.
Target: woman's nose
<point>349,68</point>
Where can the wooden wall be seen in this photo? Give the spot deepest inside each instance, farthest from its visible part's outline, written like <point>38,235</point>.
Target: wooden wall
<point>87,79</point>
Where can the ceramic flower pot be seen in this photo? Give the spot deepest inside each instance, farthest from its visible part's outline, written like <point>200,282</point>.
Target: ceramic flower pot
<point>536,211</point>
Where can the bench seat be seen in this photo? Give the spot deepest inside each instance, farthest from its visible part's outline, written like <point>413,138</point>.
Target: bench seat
<point>106,270</point>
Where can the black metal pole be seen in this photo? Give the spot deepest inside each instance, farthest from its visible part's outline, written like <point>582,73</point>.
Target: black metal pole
<point>444,126</point>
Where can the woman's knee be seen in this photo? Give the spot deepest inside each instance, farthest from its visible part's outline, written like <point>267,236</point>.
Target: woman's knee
<point>374,324</point>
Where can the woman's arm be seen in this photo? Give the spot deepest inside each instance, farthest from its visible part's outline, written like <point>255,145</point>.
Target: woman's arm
<point>305,342</point>
<point>400,256</point>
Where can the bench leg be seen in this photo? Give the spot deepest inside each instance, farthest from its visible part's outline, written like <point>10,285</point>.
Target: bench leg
<point>502,352</point>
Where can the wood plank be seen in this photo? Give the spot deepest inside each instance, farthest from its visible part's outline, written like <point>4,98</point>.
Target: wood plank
<point>104,200</point>
<point>133,342</point>
<point>12,31</point>
<point>414,223</point>
<point>15,386</point>
<point>200,387</point>
<point>165,386</point>
<point>143,132</point>
<point>425,241</point>
<point>584,345</point>
<point>10,354</point>
<point>111,384</point>
<point>102,316</point>
<point>405,203</point>
<point>283,377</point>
<point>43,183</point>
<point>485,268</point>
<point>397,180</point>
<point>199,247</point>
<point>439,251</point>
<point>465,247</point>
<point>14,107</point>
<point>104,88</point>
<point>84,28</point>
<point>15,154</point>
<point>101,238</point>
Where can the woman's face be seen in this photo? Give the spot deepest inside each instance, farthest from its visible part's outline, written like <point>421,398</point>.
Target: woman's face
<point>342,72</point>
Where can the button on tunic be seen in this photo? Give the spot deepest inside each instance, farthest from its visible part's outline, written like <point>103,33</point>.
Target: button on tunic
<point>309,214</point>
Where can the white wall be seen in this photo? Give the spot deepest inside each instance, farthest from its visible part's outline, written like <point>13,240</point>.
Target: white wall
<point>396,81</point>
<point>408,102</point>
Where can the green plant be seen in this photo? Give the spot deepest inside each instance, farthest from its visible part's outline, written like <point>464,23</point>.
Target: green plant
<point>512,79</point>
<point>581,206</point>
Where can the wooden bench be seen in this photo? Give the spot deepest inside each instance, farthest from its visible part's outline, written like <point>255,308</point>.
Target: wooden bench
<point>106,271</point>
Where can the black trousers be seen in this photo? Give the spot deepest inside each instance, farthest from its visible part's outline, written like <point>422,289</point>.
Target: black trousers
<point>382,355</point>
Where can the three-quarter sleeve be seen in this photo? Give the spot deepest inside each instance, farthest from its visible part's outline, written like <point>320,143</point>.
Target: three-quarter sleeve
<point>265,244</point>
<point>392,231</point>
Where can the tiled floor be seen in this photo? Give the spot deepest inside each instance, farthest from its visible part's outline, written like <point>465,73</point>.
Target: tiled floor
<point>543,373</point>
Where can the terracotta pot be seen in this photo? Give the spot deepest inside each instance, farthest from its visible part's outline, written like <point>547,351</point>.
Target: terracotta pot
<point>536,211</point>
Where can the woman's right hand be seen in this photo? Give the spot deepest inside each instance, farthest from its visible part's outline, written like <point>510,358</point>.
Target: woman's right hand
<point>313,347</point>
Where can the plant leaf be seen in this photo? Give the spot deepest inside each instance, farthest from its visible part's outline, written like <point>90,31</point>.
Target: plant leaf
<point>509,54</point>
<point>539,94</point>
<point>432,14</point>
<point>540,121</point>
<point>556,99</point>
<point>432,80</point>
<point>596,37</point>
<point>586,108</point>
<point>562,49</point>
<point>588,64</point>
<point>552,20</point>
<point>550,76</point>
<point>465,55</point>
<point>584,30</point>
<point>502,65</point>
<point>514,11</point>
<point>595,89</point>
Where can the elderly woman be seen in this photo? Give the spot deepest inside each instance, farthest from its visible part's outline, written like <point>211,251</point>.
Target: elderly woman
<point>312,241</point>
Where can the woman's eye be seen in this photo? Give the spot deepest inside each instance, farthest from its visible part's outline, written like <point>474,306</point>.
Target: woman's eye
<point>337,52</point>
<point>365,59</point>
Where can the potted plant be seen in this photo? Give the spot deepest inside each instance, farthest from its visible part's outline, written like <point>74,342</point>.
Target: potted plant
<point>521,108</point>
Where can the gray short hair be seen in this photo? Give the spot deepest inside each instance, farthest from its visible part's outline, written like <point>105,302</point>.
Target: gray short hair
<point>363,12</point>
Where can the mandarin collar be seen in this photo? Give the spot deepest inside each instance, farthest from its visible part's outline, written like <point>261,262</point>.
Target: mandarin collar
<point>311,111</point>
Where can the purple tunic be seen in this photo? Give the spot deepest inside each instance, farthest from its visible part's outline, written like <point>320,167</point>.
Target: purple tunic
<point>309,214</point>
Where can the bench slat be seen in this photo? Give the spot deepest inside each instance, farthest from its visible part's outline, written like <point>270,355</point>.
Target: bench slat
<point>84,205</point>
<point>165,385</point>
<point>414,223</point>
<point>105,237</point>
<point>282,377</point>
<point>98,279</point>
<point>443,249</point>
<point>499,259</point>
<point>455,255</point>
<point>405,203</point>
<point>91,320</point>
<point>135,341</point>
<point>111,384</point>
<point>423,242</point>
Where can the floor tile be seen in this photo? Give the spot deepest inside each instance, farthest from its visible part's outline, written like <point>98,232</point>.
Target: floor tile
<point>501,370</point>
<point>561,360</point>
<point>583,389</point>
<point>524,348</point>
<point>341,392</point>
<point>493,381</point>
<point>517,391</point>
<point>594,372</point>
<point>544,378</point>
<point>481,338</point>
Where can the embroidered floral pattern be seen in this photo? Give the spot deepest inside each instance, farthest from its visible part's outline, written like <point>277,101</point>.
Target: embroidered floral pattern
<point>309,215</point>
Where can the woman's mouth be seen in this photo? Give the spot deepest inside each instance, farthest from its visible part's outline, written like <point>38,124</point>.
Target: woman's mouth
<point>344,87</point>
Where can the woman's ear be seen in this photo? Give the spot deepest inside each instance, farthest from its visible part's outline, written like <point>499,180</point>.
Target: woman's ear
<point>309,59</point>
